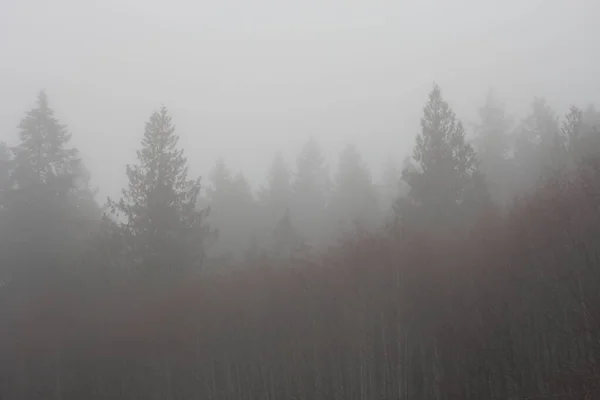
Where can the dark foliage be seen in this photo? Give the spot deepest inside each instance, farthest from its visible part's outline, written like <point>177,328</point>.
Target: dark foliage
<point>507,309</point>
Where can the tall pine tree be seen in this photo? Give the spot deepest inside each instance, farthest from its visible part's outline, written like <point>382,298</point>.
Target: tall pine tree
<point>493,144</point>
<point>42,153</point>
<point>310,192</point>
<point>278,194</point>
<point>163,229</point>
<point>540,146</point>
<point>232,210</point>
<point>354,199</point>
<point>443,180</point>
<point>42,197</point>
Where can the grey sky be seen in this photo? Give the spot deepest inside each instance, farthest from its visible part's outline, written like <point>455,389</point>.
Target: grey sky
<point>244,79</point>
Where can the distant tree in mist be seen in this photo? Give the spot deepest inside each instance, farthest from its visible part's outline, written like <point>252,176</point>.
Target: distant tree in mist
<point>220,182</point>
<point>310,190</point>
<point>232,209</point>
<point>493,145</point>
<point>47,205</point>
<point>278,193</point>
<point>42,152</point>
<point>539,145</point>
<point>443,180</point>
<point>581,129</point>
<point>5,158</point>
<point>287,242</point>
<point>392,186</point>
<point>508,311</point>
<point>354,199</point>
<point>163,228</point>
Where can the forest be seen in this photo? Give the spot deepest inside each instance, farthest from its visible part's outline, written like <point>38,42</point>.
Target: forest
<point>470,270</point>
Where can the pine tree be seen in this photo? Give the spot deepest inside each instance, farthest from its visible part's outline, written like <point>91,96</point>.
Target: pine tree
<point>287,240</point>
<point>444,176</point>
<point>42,153</point>
<point>232,210</point>
<point>220,183</point>
<point>540,146</point>
<point>354,199</point>
<point>493,144</point>
<point>163,228</point>
<point>43,196</point>
<point>581,130</point>
<point>573,131</point>
<point>392,185</point>
<point>5,161</point>
<point>310,192</point>
<point>278,193</point>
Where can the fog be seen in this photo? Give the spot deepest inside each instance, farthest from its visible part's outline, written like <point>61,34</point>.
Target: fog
<point>246,79</point>
<point>311,201</point>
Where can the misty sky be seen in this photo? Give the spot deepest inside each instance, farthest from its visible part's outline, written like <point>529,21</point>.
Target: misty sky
<point>244,79</point>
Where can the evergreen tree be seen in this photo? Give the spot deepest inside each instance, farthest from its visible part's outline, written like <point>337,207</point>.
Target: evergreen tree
<point>392,185</point>
<point>540,145</point>
<point>581,130</point>
<point>354,199</point>
<point>443,180</point>
<point>310,192</point>
<point>243,214</point>
<point>287,241</point>
<point>233,211</point>
<point>163,228</point>
<point>493,144</point>
<point>5,159</point>
<point>278,193</point>
<point>573,131</point>
<point>242,194</point>
<point>44,184</point>
<point>42,152</point>
<point>220,183</point>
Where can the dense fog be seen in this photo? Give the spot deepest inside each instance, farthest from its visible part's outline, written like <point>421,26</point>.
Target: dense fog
<point>252,200</point>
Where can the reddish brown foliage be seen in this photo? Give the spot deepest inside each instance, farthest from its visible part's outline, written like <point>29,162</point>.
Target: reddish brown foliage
<point>506,311</point>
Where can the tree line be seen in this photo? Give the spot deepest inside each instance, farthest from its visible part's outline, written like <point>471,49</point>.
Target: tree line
<point>471,273</point>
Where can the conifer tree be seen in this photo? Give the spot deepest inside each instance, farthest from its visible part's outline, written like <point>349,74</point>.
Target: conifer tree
<point>354,199</point>
<point>287,240</point>
<point>232,210</point>
<point>493,144</point>
<point>163,228</point>
<point>278,193</point>
<point>392,186</point>
<point>581,130</point>
<point>443,177</point>
<point>540,146</point>
<point>43,196</point>
<point>220,183</point>
<point>5,160</point>
<point>42,153</point>
<point>310,191</point>
<point>573,131</point>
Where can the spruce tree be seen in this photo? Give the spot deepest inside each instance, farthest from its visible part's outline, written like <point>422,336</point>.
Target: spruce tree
<point>42,198</point>
<point>443,176</point>
<point>310,192</point>
<point>5,160</point>
<point>163,229</point>
<point>278,193</point>
<point>287,242</point>
<point>573,130</point>
<point>581,130</point>
<point>232,210</point>
<point>493,144</point>
<point>540,146</point>
<point>42,153</point>
<point>392,186</point>
<point>354,199</point>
